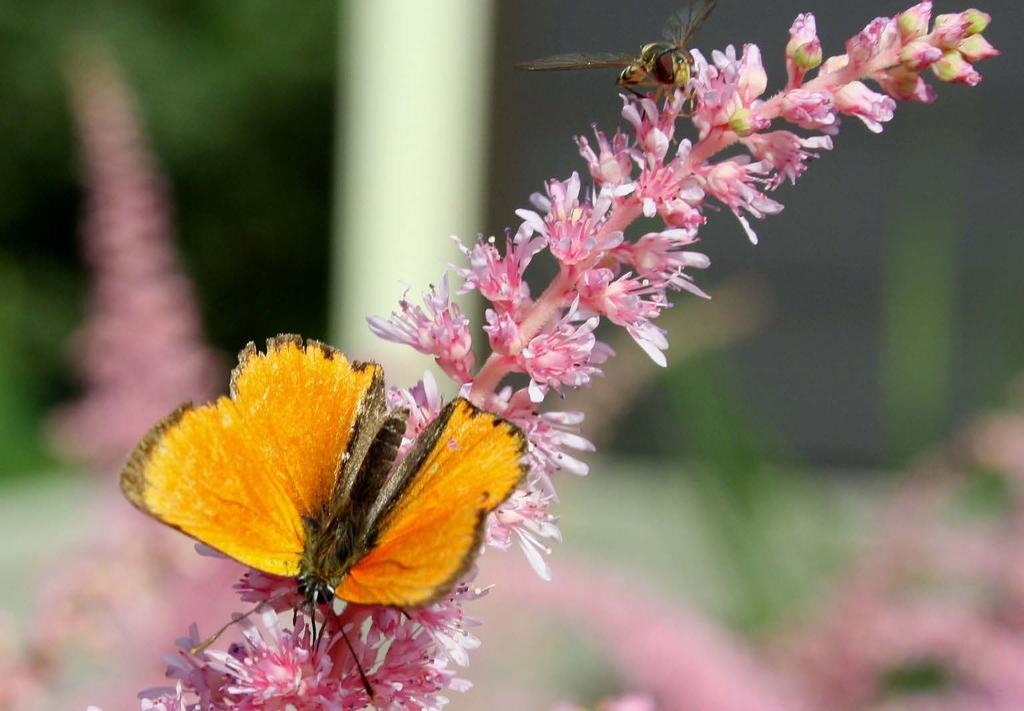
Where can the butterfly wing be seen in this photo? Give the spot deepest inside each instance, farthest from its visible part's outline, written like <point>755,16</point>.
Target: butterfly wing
<point>427,523</point>
<point>243,474</point>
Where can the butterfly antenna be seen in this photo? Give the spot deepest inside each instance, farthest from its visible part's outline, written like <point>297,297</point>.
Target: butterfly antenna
<point>238,618</point>
<point>355,657</point>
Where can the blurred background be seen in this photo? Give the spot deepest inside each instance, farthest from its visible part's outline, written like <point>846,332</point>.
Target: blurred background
<point>180,178</point>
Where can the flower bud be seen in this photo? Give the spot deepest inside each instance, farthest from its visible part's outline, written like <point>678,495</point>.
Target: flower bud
<point>954,68</point>
<point>919,55</point>
<point>914,22</point>
<point>741,123</point>
<point>977,21</point>
<point>951,29</point>
<point>976,48</point>
<point>803,52</point>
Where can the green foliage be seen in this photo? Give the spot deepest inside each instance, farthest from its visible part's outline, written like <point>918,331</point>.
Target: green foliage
<point>237,97</point>
<point>921,677</point>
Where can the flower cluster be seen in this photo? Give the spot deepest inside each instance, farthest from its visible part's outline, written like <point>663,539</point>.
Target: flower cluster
<point>649,172</point>
<point>406,656</point>
<point>549,338</point>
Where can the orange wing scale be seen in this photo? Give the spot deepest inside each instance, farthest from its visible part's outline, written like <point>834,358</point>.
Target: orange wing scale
<point>432,535</point>
<point>241,473</point>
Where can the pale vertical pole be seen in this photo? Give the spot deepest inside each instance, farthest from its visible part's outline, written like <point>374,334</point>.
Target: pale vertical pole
<point>412,108</point>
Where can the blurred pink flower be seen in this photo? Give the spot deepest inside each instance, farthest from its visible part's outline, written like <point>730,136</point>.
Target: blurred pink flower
<point>141,351</point>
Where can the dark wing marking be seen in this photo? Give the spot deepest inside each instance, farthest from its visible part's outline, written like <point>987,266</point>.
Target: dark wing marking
<point>577,60</point>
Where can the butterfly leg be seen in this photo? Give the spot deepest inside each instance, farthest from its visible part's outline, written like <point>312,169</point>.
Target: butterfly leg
<point>355,657</point>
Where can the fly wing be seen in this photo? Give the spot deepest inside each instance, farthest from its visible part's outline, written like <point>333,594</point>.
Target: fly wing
<point>682,24</point>
<point>427,523</point>
<point>589,60</point>
<point>244,473</point>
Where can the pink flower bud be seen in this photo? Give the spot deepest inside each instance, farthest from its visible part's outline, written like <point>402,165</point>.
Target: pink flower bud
<point>880,35</point>
<point>977,21</point>
<point>803,52</point>
<point>976,48</point>
<point>744,123</point>
<point>919,55</point>
<point>955,69</point>
<point>914,22</point>
<point>856,99</point>
<point>951,29</point>
<point>809,109</point>
<point>901,83</point>
<point>753,79</point>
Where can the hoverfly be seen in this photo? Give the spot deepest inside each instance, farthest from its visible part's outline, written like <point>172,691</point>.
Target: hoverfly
<point>663,65</point>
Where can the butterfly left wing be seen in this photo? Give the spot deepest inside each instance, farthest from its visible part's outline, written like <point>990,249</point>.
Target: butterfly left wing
<point>247,473</point>
<point>427,522</point>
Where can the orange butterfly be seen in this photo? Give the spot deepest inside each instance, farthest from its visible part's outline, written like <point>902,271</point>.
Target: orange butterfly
<point>293,475</point>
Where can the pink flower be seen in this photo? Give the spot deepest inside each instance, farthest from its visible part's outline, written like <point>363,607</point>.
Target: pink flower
<point>786,152</point>
<point>499,279</point>
<point>274,663</point>
<point>881,35</point>
<point>855,99</point>
<point>804,49</point>
<point>654,128</point>
<point>613,164</point>
<point>661,257</point>
<point>810,109</point>
<point>441,330</point>
<point>548,434</point>
<point>901,83</point>
<point>561,357</point>
<point>525,519</point>
<point>732,183</point>
<point>277,592</point>
<point>572,228</point>
<point>423,402</point>
<point>919,55</point>
<point>446,622</point>
<point>728,90</point>
<point>629,302</point>
<point>502,331</point>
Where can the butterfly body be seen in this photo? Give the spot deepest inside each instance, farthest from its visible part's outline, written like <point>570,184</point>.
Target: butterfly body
<point>294,474</point>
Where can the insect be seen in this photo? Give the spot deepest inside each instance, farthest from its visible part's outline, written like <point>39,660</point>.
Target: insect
<point>293,474</point>
<point>663,65</point>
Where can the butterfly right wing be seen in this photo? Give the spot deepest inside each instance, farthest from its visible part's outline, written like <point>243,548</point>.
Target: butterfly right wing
<point>579,60</point>
<point>427,522</point>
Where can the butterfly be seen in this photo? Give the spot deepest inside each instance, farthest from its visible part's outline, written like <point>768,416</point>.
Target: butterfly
<point>294,475</point>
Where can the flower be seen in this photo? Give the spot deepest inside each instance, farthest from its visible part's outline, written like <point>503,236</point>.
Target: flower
<point>810,109</point>
<point>661,258</point>
<point>525,518</point>
<point>441,330</point>
<point>804,49</point>
<point>572,228</point>
<point>423,402</point>
<point>786,152</point>
<point>613,164</point>
<point>729,89</point>
<point>732,183</point>
<point>562,356</point>
<point>499,279</point>
<point>874,109</point>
